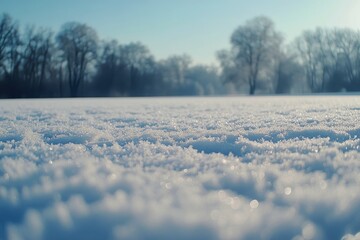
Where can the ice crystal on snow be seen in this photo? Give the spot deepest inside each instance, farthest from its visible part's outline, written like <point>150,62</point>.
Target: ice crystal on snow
<point>180,168</point>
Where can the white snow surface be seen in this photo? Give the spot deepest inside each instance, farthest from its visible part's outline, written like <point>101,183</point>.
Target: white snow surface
<point>180,168</point>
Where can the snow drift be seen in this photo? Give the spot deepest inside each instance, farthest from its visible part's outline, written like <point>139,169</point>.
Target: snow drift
<point>180,168</point>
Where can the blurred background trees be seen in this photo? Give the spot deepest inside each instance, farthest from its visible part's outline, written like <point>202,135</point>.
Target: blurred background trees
<point>256,46</point>
<point>36,59</point>
<point>330,58</point>
<point>78,44</point>
<point>74,62</point>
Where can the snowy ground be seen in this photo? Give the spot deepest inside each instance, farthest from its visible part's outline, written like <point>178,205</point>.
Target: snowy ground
<point>180,168</point>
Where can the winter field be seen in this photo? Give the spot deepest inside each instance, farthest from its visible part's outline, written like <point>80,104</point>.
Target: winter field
<point>180,168</point>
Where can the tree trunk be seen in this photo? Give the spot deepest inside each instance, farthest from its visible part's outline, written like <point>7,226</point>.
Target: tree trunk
<point>252,90</point>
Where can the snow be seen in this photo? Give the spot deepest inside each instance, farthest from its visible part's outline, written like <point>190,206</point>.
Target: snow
<point>180,168</point>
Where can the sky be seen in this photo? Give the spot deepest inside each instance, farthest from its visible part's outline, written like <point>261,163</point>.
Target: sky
<point>195,27</point>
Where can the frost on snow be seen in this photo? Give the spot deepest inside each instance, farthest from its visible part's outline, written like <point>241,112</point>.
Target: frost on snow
<point>180,168</point>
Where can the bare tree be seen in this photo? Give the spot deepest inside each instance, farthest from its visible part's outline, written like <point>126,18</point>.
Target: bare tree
<point>330,57</point>
<point>135,55</point>
<point>174,68</point>
<point>7,31</point>
<point>317,54</point>
<point>347,43</point>
<point>141,66</point>
<point>109,71</point>
<point>79,44</point>
<point>288,75</point>
<point>36,59</point>
<point>256,44</point>
<point>10,56</point>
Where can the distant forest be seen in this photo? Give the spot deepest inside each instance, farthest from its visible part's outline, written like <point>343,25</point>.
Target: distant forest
<point>75,62</point>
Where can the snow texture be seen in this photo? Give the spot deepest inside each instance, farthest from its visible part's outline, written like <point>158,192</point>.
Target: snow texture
<point>180,168</point>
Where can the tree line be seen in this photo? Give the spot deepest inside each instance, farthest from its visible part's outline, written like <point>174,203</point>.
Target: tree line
<point>320,60</point>
<point>74,62</point>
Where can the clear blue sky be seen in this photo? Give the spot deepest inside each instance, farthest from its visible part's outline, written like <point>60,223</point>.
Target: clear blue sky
<point>196,27</point>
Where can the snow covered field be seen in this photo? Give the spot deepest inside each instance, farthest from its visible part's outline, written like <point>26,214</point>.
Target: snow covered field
<point>180,168</point>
